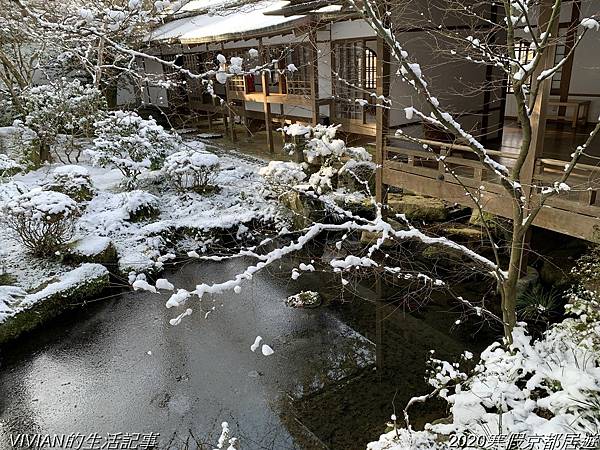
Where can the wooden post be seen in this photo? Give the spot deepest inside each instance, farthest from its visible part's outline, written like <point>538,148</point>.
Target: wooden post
<point>266,105</point>
<point>314,75</point>
<point>332,105</point>
<point>224,112</point>
<point>228,113</point>
<point>539,111</point>
<point>382,114</point>
<point>267,111</point>
<point>209,119</point>
<point>567,68</point>
<point>232,132</point>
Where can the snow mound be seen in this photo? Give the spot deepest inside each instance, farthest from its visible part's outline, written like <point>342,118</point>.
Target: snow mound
<point>40,204</point>
<point>283,172</point>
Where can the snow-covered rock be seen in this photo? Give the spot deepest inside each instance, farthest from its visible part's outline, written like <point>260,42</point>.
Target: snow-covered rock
<point>20,312</point>
<point>72,180</point>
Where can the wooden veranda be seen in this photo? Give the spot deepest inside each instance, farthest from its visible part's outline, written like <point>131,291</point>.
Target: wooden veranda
<point>418,170</point>
<point>339,92</point>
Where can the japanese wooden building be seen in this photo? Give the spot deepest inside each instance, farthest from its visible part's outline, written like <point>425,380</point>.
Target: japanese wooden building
<point>340,62</point>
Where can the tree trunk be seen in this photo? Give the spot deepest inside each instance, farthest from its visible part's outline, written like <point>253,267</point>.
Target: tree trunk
<point>508,288</point>
<point>44,153</point>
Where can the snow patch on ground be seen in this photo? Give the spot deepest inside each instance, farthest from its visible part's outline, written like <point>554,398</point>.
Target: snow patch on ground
<point>140,244</point>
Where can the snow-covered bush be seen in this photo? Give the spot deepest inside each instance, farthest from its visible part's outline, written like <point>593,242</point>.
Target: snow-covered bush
<point>7,111</point>
<point>42,220</point>
<point>304,299</point>
<point>61,107</point>
<point>21,144</point>
<point>330,163</point>
<point>72,180</point>
<point>141,205</point>
<point>534,387</point>
<point>281,175</point>
<point>324,180</point>
<point>8,167</point>
<point>131,144</point>
<point>191,170</point>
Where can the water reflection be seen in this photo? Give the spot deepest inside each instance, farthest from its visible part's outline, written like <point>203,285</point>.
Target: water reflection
<point>120,367</point>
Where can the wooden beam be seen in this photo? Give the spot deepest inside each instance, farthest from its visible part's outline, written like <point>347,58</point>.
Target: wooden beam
<point>382,114</point>
<point>564,221</point>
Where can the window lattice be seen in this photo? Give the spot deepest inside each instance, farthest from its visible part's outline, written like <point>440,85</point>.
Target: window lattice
<point>356,68</point>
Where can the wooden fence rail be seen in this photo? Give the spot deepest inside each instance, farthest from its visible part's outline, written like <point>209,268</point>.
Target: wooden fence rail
<point>445,170</point>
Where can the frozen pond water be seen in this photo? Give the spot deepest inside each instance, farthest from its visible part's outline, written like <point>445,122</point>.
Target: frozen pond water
<point>118,366</point>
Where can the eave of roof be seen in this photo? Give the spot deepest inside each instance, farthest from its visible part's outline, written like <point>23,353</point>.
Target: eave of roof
<point>244,24</point>
<point>249,34</point>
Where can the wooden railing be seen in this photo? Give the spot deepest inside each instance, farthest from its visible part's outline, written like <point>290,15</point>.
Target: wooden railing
<point>237,83</point>
<point>299,87</point>
<point>444,170</point>
<point>238,86</point>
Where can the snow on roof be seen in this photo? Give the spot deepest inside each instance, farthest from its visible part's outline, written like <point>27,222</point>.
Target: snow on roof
<point>215,27</point>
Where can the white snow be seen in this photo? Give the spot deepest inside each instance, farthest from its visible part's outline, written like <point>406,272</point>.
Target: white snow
<point>209,27</point>
<point>178,298</point>
<point>164,285</point>
<point>590,23</point>
<point>143,285</point>
<point>283,172</point>
<point>267,350</point>
<point>177,320</point>
<point>90,245</point>
<point>38,204</point>
<point>256,343</point>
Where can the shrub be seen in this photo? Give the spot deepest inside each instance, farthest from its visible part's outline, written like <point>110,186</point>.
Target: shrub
<point>131,144</point>
<point>73,181</point>
<point>330,164</point>
<point>8,167</point>
<point>191,170</point>
<point>42,220</point>
<point>63,106</point>
<point>281,175</point>
<point>8,113</point>
<point>141,205</point>
<point>20,143</point>
<point>538,304</point>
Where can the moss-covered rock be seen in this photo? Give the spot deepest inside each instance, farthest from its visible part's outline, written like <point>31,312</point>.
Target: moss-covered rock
<point>556,272</point>
<point>25,313</point>
<point>7,279</point>
<point>443,253</point>
<point>141,205</point>
<point>357,204</point>
<point>91,249</point>
<point>418,207</point>
<point>370,237</point>
<point>530,279</point>
<point>305,210</point>
<point>464,233</point>
<point>358,177</point>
